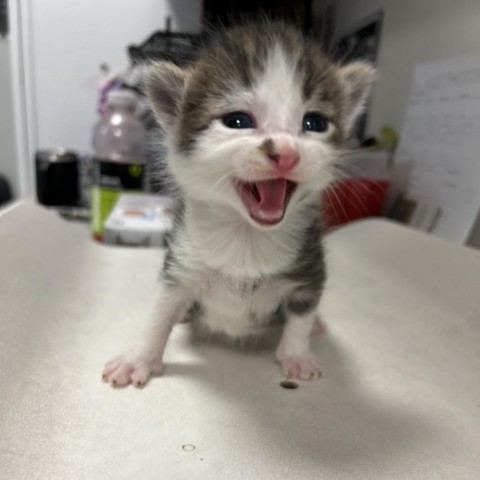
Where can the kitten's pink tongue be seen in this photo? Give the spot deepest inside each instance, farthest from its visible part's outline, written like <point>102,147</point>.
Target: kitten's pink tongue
<point>272,194</point>
<point>271,206</point>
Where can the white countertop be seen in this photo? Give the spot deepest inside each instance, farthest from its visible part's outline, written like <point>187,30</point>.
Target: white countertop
<point>400,396</point>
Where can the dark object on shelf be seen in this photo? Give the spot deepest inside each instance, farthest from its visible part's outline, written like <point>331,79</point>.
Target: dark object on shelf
<point>227,12</point>
<point>361,43</point>
<point>57,173</point>
<point>5,191</point>
<point>179,48</point>
<point>3,18</point>
<point>369,142</point>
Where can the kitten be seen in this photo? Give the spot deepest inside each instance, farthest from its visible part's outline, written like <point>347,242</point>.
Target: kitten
<point>251,130</point>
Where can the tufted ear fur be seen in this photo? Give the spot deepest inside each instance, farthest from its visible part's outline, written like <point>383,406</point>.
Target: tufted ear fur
<point>356,79</point>
<point>165,85</point>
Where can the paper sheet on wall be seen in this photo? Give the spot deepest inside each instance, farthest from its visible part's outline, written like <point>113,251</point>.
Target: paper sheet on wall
<point>441,140</point>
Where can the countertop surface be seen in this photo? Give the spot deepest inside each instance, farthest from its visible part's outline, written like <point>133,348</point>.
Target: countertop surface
<point>399,399</point>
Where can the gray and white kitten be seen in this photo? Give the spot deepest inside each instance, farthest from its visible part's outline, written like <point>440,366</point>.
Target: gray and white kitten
<point>251,130</point>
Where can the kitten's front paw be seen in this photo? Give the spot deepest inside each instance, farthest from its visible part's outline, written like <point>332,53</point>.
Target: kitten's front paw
<point>123,370</point>
<point>304,368</point>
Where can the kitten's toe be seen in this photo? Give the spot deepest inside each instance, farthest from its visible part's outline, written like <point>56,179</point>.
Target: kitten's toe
<point>121,376</point>
<point>140,376</point>
<point>110,367</point>
<point>122,371</point>
<point>304,368</point>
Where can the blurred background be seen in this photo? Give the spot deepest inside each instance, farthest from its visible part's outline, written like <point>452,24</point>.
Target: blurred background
<point>60,62</point>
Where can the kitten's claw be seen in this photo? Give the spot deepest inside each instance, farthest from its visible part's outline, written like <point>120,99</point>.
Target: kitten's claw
<point>304,368</point>
<point>122,371</point>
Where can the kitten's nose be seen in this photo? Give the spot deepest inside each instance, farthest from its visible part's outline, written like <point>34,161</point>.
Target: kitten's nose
<point>285,158</point>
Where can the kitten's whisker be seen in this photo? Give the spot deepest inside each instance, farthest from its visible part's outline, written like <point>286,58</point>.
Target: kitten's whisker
<point>219,184</point>
<point>358,175</point>
<point>361,202</point>
<point>340,203</point>
<point>374,191</point>
<point>222,179</point>
<point>359,190</point>
<point>332,204</point>
<point>206,174</point>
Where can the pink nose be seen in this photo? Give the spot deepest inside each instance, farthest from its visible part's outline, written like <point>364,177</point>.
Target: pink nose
<point>285,159</point>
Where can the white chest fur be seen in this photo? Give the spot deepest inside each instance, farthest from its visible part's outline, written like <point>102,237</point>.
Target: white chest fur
<point>222,240</point>
<point>240,307</point>
<point>232,269</point>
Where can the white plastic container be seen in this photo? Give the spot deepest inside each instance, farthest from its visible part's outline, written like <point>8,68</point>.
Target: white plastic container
<point>139,220</point>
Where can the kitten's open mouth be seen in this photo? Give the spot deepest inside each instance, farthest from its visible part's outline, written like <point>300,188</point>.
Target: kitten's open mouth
<point>266,200</point>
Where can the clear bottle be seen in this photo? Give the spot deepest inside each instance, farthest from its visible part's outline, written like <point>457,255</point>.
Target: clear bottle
<point>120,152</point>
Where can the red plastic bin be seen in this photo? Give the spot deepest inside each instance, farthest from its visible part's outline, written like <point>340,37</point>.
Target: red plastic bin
<point>349,199</point>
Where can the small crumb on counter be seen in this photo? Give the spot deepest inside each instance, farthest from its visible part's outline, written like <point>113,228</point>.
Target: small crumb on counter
<point>289,385</point>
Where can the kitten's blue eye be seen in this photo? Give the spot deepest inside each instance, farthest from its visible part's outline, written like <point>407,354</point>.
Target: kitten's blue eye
<point>238,120</point>
<point>314,122</point>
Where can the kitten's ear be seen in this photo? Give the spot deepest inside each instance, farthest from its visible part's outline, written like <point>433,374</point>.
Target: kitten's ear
<point>165,84</point>
<point>356,79</point>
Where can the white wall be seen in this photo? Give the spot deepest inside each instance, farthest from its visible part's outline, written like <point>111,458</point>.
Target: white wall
<point>8,158</point>
<point>414,31</point>
<point>69,42</point>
